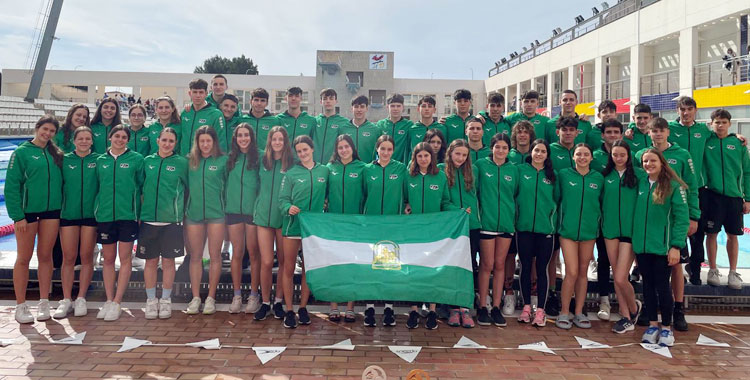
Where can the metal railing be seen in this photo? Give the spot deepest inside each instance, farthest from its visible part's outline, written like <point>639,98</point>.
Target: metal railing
<point>617,89</point>
<point>722,72</point>
<point>660,83</point>
<point>585,94</point>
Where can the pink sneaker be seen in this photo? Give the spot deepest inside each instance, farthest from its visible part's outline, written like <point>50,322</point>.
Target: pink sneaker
<point>466,320</point>
<point>525,316</point>
<point>455,318</point>
<point>540,318</point>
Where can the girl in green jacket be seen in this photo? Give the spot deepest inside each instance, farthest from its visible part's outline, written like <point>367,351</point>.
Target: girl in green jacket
<point>205,214</point>
<point>78,116</point>
<point>120,176</point>
<point>161,230</point>
<point>345,179</point>
<point>276,160</point>
<point>33,199</point>
<point>537,213</point>
<point>497,188</point>
<point>107,115</point>
<point>660,226</point>
<point>580,191</point>
<point>77,223</point>
<point>303,189</point>
<point>436,139</point>
<point>241,192</point>
<point>618,197</point>
<point>139,133</point>
<point>167,116</point>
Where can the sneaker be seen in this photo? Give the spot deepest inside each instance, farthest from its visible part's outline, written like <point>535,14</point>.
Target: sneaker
<point>635,275</point>
<point>604,310</point>
<point>42,312</point>
<point>253,304</point>
<point>714,277</point>
<point>651,335</point>
<point>467,321</point>
<point>431,323</point>
<point>226,261</point>
<point>534,301</point>
<point>278,311</point>
<point>113,313</point>
<point>388,318</point>
<point>509,304</point>
<point>455,318</point>
<point>370,317</point>
<point>483,317</point>
<point>443,311</point>
<point>64,307</point>
<point>666,338</point>
<point>413,321</point>
<point>165,308</point>
<point>79,308</point>
<point>695,275</point>
<point>209,307</point>
<point>304,316</point>
<point>103,311</point>
<point>290,320</point>
<point>194,306</point>
<point>236,305</point>
<point>540,318</point>
<point>734,281</point>
<point>497,317</point>
<point>623,325</point>
<point>23,315</point>
<point>678,320</point>
<point>152,308</point>
<point>262,312</point>
<point>525,316</point>
<point>553,305</point>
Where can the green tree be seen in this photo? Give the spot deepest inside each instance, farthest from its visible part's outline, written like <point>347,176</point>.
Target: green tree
<point>223,65</point>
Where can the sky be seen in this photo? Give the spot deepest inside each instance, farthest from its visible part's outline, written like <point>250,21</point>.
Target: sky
<point>439,39</point>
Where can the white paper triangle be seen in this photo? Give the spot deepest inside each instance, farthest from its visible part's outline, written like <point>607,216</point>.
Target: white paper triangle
<point>343,345</point>
<point>465,342</point>
<point>706,341</point>
<point>130,343</point>
<point>75,339</point>
<point>211,344</point>
<point>657,349</point>
<point>267,353</point>
<point>408,353</point>
<point>538,346</point>
<point>590,344</point>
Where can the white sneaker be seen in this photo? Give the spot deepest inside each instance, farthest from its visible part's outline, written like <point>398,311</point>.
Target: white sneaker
<point>194,306</point>
<point>113,313</point>
<point>210,306</point>
<point>714,277</point>
<point>236,305</point>
<point>253,304</point>
<point>42,313</point>
<point>165,308</point>
<point>23,315</point>
<point>604,310</point>
<point>63,308</point>
<point>509,304</point>
<point>80,308</point>
<point>103,311</point>
<point>152,308</point>
<point>734,281</point>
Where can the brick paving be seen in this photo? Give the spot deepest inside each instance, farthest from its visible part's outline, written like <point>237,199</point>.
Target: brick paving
<point>97,359</point>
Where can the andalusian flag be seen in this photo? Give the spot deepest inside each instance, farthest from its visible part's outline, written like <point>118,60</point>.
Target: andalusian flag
<point>423,257</point>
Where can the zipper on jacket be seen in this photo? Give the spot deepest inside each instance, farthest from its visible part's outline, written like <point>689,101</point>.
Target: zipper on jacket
<point>81,187</point>
<point>49,176</point>
<point>498,199</point>
<point>382,193</point>
<point>580,215</point>
<point>343,190</point>
<point>114,180</point>
<point>645,222</point>
<point>325,132</point>
<point>203,196</point>
<point>423,176</point>
<point>460,181</point>
<point>721,151</point>
<point>158,182</point>
<point>536,195</point>
<point>619,204</point>
<point>309,204</point>
<point>273,179</point>
<point>242,184</point>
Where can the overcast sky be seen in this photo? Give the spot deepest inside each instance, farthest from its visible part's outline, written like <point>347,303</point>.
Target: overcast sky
<point>440,38</point>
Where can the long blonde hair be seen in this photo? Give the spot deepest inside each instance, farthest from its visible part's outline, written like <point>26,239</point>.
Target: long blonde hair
<point>287,160</point>
<point>666,176</point>
<point>465,168</point>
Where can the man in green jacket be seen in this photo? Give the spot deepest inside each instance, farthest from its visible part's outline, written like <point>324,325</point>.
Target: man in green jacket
<point>364,133</point>
<point>228,108</point>
<point>426,121</point>
<point>568,103</point>
<point>396,126</point>
<point>200,113</point>
<point>219,86</point>
<point>260,118</point>
<point>607,110</point>
<point>529,105</point>
<point>475,136</point>
<point>296,121</point>
<point>327,128</point>
<point>611,131</point>
<point>455,124</point>
<point>637,134</point>
<point>561,153</point>
<point>494,122</point>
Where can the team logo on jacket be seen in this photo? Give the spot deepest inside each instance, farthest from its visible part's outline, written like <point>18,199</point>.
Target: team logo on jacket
<point>413,185</point>
<point>335,126</point>
<point>547,181</point>
<point>593,186</point>
<point>730,147</point>
<point>402,132</point>
<point>151,167</point>
<point>365,134</point>
<point>386,256</point>
<point>334,172</point>
<point>678,134</point>
<point>266,127</point>
<point>610,181</point>
<point>560,157</point>
<point>373,178</point>
<point>711,147</point>
<point>303,126</point>
<point>36,157</point>
<point>170,168</point>
<point>300,180</point>
<point>672,161</point>
<point>393,176</point>
<point>526,176</point>
<point>697,135</point>
<point>321,180</point>
<point>124,165</point>
<point>144,138</point>
<point>213,168</point>
<point>636,144</point>
<point>91,165</point>
<point>201,121</point>
<point>105,166</point>
<point>434,187</point>
<point>508,178</point>
<point>419,136</point>
<point>353,175</point>
<point>572,183</point>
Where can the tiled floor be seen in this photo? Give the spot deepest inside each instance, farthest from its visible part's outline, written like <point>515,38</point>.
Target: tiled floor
<point>36,358</point>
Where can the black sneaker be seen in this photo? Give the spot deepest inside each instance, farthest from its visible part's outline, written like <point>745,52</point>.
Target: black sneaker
<point>290,321</point>
<point>497,317</point>
<point>552,307</point>
<point>623,325</point>
<point>278,310</point>
<point>370,317</point>
<point>388,318</point>
<point>483,317</point>
<point>642,320</point>
<point>413,321</point>
<point>304,316</point>
<point>431,323</point>
<point>680,324</point>
<point>226,261</point>
<point>261,313</point>
<point>695,275</point>
<point>443,311</point>
<point>635,276</point>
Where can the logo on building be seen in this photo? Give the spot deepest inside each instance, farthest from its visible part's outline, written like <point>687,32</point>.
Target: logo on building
<point>378,61</point>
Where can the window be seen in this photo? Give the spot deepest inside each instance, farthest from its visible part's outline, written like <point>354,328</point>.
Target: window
<point>377,98</point>
<point>448,109</point>
<point>355,77</point>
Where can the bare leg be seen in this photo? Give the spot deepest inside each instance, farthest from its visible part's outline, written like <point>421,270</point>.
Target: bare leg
<point>251,242</point>
<point>125,251</point>
<point>48,230</point>
<point>25,243</point>
<point>265,245</point>
<point>711,247</point>
<point>215,240</point>
<point>108,269</point>
<point>237,237</point>
<point>149,272</point>
<point>69,237</point>
<point>486,264</point>
<point>732,251</point>
<point>87,244</point>
<point>196,235</point>
<point>498,278</point>
<point>570,255</point>
<point>585,255</point>
<point>291,247</point>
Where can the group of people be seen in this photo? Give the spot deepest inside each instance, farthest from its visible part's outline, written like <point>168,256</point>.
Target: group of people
<point>532,186</point>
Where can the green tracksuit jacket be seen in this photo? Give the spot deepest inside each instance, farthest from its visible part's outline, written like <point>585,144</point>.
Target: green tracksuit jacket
<point>225,139</point>
<point>679,160</point>
<point>639,141</point>
<point>324,137</point>
<point>101,139</point>
<point>400,133</point>
<point>192,120</point>
<point>120,184</point>
<point>140,141</point>
<point>365,136</point>
<point>491,128</point>
<point>33,183</point>
<point>477,155</point>
<point>497,187</point>
<point>584,127</point>
<point>455,127</point>
<point>164,188</point>
<point>658,227</point>
<point>267,213</point>
<point>241,188</point>
<point>153,137</point>
<point>65,146</point>
<point>617,205</point>
<point>540,123</point>
<point>303,124</point>
<point>417,132</point>
<point>462,198</point>
<point>600,159</point>
<point>727,165</point>
<point>536,201</point>
<point>385,188</point>
<point>427,193</point>
<point>693,139</point>
<point>580,203</point>
<point>261,126</point>
<point>516,157</point>
<point>79,186</point>
<point>561,156</point>
<point>345,187</point>
<point>206,185</point>
<point>304,188</point>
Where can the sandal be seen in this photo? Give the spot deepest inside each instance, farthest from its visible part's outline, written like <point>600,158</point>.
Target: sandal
<point>334,315</point>
<point>350,317</point>
<point>582,321</point>
<point>563,322</point>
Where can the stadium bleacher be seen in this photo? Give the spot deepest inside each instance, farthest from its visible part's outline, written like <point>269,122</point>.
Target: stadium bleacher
<point>18,117</point>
